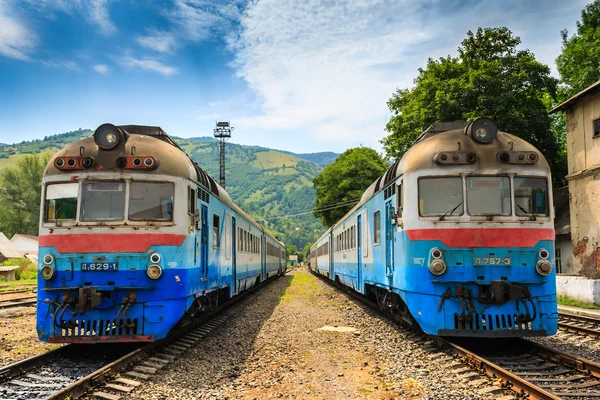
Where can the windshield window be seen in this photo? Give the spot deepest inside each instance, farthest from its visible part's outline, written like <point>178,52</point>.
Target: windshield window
<point>438,196</point>
<point>531,196</point>
<point>488,195</point>
<point>151,201</point>
<point>103,201</point>
<point>61,201</point>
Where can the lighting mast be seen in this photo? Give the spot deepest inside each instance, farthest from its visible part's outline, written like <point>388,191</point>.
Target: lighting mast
<point>222,132</point>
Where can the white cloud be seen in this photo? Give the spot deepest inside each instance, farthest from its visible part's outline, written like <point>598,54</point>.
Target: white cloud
<point>148,64</point>
<point>94,11</point>
<point>101,68</point>
<point>192,21</point>
<point>328,68</point>
<point>163,42</point>
<point>68,65</point>
<point>16,39</point>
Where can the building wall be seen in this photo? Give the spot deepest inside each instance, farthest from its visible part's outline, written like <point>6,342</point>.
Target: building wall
<point>584,183</point>
<point>25,245</point>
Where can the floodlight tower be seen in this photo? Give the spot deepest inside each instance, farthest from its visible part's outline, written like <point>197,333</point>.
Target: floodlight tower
<point>222,132</point>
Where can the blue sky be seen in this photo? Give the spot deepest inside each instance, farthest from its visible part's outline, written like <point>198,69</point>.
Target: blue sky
<point>303,75</point>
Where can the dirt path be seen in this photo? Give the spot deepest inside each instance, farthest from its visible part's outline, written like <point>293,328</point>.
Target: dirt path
<point>18,338</point>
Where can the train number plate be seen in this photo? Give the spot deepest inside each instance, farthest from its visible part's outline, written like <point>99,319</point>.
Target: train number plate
<point>492,261</point>
<point>113,266</point>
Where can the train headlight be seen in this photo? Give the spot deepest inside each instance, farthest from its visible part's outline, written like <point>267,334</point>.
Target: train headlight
<point>108,136</point>
<point>437,266</point>
<point>543,267</point>
<point>47,272</point>
<point>154,271</point>
<point>155,258</point>
<point>482,130</point>
<point>543,254</point>
<point>436,253</point>
<point>48,259</point>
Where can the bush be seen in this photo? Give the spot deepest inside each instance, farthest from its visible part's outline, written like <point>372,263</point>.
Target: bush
<point>26,270</point>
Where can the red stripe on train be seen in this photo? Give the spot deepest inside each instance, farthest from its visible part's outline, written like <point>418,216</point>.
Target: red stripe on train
<point>484,237</point>
<point>109,243</point>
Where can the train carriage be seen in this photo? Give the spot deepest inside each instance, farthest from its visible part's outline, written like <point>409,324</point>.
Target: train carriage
<point>135,237</point>
<point>457,236</point>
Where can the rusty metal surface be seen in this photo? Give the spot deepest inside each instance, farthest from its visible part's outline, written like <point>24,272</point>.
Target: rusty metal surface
<point>511,380</point>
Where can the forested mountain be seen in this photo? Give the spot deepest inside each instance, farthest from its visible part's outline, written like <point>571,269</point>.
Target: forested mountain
<point>268,184</point>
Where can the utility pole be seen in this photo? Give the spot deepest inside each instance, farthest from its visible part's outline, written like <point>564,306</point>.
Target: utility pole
<point>222,132</point>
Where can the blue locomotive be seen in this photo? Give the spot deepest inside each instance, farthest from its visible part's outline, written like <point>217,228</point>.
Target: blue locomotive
<point>135,238</point>
<point>457,236</point>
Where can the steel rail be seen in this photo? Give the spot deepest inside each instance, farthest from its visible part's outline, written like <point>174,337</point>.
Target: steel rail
<point>572,323</point>
<point>20,302</point>
<point>511,381</point>
<point>21,367</point>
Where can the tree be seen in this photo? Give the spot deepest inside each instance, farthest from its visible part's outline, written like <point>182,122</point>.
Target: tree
<point>20,195</point>
<point>579,62</point>
<point>341,184</point>
<point>490,77</point>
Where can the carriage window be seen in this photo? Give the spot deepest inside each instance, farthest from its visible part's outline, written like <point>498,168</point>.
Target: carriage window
<point>438,196</point>
<point>488,195</point>
<point>216,228</point>
<point>151,201</point>
<point>61,201</point>
<point>531,196</point>
<point>377,227</point>
<point>399,195</point>
<point>240,239</point>
<point>191,200</point>
<point>103,201</point>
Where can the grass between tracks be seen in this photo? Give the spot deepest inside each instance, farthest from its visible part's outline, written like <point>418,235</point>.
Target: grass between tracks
<point>302,286</point>
<point>567,301</point>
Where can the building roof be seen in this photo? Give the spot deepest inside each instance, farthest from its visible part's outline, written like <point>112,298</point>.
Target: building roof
<point>569,103</point>
<point>562,220</point>
<point>25,236</point>
<point>7,268</point>
<point>7,249</point>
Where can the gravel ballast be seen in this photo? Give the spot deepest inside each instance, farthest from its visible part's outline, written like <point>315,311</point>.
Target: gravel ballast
<point>300,338</point>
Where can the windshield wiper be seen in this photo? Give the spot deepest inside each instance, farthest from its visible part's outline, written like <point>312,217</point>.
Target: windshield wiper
<point>533,218</point>
<point>450,211</point>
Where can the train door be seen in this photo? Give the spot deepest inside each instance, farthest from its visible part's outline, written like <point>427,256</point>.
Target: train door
<point>233,256</point>
<point>331,254</point>
<point>263,257</point>
<point>359,252</point>
<point>389,238</point>
<point>204,241</point>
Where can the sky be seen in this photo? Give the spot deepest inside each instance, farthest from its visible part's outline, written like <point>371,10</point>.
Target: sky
<point>297,75</point>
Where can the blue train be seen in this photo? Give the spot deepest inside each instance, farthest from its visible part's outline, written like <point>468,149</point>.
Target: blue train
<point>135,238</point>
<point>456,237</point>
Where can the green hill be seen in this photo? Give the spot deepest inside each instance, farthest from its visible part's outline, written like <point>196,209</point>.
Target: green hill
<point>268,184</point>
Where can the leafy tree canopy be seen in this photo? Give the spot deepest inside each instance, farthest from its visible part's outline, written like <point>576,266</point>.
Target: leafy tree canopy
<point>341,184</point>
<point>490,77</point>
<point>20,195</point>
<point>579,62</point>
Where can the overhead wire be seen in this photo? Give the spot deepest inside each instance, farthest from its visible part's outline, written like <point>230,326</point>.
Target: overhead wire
<point>345,203</point>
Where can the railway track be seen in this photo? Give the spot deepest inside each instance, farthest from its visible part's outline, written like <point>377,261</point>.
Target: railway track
<point>72,371</point>
<point>579,324</point>
<point>19,302</point>
<point>526,369</point>
<point>12,290</point>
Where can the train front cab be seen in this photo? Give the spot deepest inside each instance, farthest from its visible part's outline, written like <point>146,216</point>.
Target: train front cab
<point>478,257</point>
